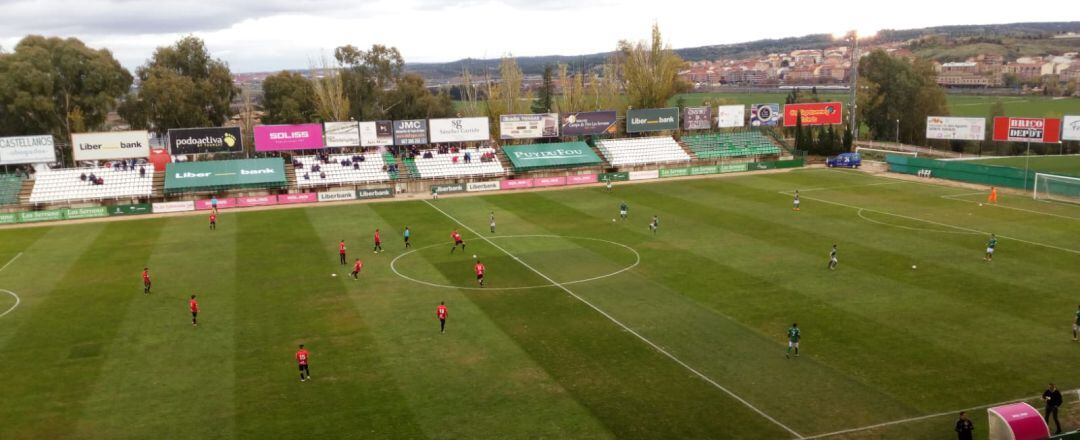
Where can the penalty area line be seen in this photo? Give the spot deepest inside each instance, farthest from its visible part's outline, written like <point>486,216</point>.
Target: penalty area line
<point>620,324</point>
<point>13,295</point>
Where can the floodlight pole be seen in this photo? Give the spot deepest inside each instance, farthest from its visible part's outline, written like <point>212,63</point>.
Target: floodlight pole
<point>854,84</point>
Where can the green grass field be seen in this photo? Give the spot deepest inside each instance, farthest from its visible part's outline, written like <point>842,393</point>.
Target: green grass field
<point>959,105</point>
<point>1068,164</point>
<point>565,341</point>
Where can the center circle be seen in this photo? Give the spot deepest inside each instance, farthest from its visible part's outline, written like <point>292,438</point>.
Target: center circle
<point>493,240</point>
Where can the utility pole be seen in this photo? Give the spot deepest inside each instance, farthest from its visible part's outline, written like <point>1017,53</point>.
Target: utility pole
<point>854,83</point>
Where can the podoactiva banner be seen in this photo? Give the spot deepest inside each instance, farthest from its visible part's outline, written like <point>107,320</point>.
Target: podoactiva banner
<point>410,132</point>
<point>459,129</point>
<point>764,115</point>
<point>1070,130</point>
<point>945,127</point>
<point>652,119</point>
<point>813,113</point>
<point>342,134</point>
<point>288,137</point>
<point>565,154</point>
<point>540,125</point>
<point>1027,129</point>
<point>697,118</point>
<point>730,116</point>
<point>224,174</point>
<point>376,133</point>
<point>110,145</point>
<point>205,140</point>
<point>588,123</point>
<point>27,149</point>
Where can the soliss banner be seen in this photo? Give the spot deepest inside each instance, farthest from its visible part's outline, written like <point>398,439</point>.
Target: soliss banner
<point>288,137</point>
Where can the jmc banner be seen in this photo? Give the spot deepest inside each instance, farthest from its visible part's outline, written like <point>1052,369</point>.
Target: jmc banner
<point>813,113</point>
<point>27,149</point>
<point>589,123</point>
<point>410,132</point>
<point>376,133</point>
<point>764,115</point>
<point>697,118</point>
<point>205,140</point>
<point>945,127</point>
<point>652,119</point>
<point>459,129</point>
<point>288,137</point>
<point>542,125</point>
<point>342,134</point>
<point>110,145</point>
<point>1027,130</point>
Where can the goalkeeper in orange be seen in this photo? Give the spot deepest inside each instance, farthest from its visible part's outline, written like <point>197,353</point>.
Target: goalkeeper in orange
<point>992,198</point>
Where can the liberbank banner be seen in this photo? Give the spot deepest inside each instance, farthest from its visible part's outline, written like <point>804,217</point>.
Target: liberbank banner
<point>459,129</point>
<point>813,113</point>
<point>542,125</point>
<point>205,140</point>
<point>652,119</point>
<point>565,154</point>
<point>945,127</point>
<point>1027,129</point>
<point>288,137</point>
<point>221,174</point>
<point>110,145</point>
<point>27,149</point>
<point>589,123</point>
<point>342,134</point>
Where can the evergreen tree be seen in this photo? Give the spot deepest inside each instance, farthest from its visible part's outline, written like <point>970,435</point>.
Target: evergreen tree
<point>546,95</point>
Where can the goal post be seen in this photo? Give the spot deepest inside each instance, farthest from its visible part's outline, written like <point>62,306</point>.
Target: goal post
<point>878,155</point>
<point>1057,188</point>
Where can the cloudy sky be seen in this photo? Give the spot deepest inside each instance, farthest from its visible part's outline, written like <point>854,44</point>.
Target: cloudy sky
<point>275,34</point>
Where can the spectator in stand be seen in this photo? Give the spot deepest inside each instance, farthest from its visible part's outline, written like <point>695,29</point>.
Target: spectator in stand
<point>82,177</point>
<point>355,166</point>
<point>454,160</point>
<point>322,175</point>
<point>100,180</point>
<point>93,179</point>
<point>468,157</point>
<point>142,171</point>
<point>306,176</point>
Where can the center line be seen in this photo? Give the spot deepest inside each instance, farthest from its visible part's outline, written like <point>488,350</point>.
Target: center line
<point>620,324</point>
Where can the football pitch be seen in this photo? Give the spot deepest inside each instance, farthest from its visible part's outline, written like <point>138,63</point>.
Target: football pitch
<point>1068,165</point>
<point>587,328</point>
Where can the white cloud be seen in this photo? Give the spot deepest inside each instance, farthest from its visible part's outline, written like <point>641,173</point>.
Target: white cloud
<point>275,34</point>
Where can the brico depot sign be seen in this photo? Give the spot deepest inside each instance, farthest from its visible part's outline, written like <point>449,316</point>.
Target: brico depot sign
<point>1039,130</point>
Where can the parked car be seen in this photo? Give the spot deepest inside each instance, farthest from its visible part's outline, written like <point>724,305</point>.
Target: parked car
<point>846,160</point>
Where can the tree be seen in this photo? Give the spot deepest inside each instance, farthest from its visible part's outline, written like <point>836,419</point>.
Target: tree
<point>573,90</point>
<point>331,104</point>
<point>892,89</point>
<point>367,77</point>
<point>649,73</point>
<point>996,109</point>
<point>411,99</point>
<point>546,95</point>
<point>288,98</point>
<point>181,86</point>
<point>847,138</point>
<point>800,142</point>
<point>58,86</point>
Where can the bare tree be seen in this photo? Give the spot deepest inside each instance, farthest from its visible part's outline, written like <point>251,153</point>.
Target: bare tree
<point>331,103</point>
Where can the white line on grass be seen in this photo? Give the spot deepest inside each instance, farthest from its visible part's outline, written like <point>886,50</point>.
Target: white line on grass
<point>17,300</point>
<point>910,228</point>
<point>624,326</point>
<point>1034,243</point>
<point>16,257</point>
<point>954,197</point>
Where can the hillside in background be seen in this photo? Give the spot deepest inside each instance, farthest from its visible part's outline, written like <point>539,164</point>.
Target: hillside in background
<point>944,43</point>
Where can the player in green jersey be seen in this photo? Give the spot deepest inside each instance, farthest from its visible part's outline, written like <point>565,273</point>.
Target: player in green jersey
<point>655,224</point>
<point>1076,325</point>
<point>990,245</point>
<point>793,337</point>
<point>624,210</point>
<point>832,258</point>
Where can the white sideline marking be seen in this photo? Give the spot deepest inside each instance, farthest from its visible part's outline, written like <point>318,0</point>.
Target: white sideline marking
<point>915,419</point>
<point>1034,243</point>
<point>17,300</point>
<point>624,326</point>
<point>910,228</point>
<point>954,197</point>
<point>823,188</point>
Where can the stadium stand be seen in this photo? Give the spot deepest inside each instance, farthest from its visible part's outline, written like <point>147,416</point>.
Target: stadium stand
<point>639,151</point>
<point>432,164</point>
<point>730,144</point>
<point>10,185</point>
<point>92,184</point>
<point>341,169</point>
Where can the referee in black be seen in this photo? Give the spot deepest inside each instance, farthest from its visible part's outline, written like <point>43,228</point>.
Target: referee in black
<point>1053,401</point>
<point>964,428</point>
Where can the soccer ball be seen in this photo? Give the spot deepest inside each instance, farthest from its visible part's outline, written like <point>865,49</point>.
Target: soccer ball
<point>980,204</point>
<point>613,220</point>
<point>913,266</point>
<point>333,274</point>
<point>474,256</point>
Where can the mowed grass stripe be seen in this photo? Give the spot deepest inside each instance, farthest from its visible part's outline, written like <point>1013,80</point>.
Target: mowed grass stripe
<point>285,297</point>
<point>61,350</point>
<point>614,373</point>
<point>653,298</point>
<point>158,356</point>
<point>474,379</point>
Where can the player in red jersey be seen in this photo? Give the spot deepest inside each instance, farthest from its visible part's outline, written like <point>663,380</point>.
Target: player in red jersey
<point>146,280</point>
<point>302,359</point>
<point>479,268</point>
<point>457,241</point>
<point>341,252</point>
<point>378,241</point>
<point>194,306</point>
<point>213,220</point>
<point>440,312</point>
<point>356,268</point>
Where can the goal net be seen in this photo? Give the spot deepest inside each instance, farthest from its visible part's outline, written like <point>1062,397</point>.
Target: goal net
<point>878,155</point>
<point>1057,188</point>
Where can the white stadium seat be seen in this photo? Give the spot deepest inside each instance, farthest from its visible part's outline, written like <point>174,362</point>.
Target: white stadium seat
<point>65,185</point>
<point>369,170</point>
<point>442,165</point>
<point>639,151</point>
